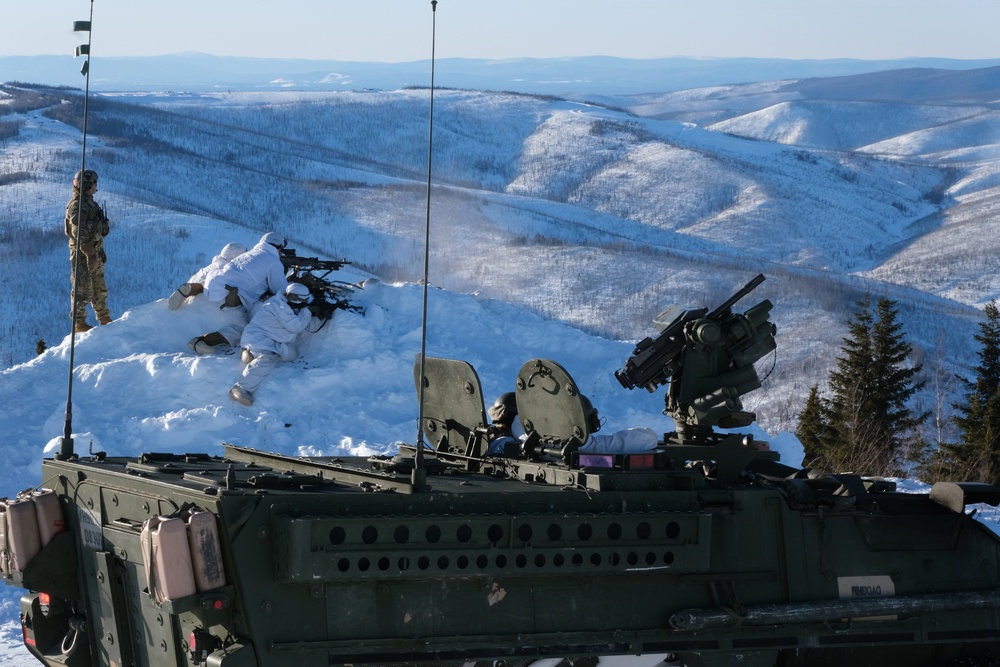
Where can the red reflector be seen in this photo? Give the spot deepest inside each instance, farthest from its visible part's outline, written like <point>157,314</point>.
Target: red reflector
<point>639,461</point>
<point>44,598</point>
<point>192,642</point>
<point>28,641</point>
<point>218,604</point>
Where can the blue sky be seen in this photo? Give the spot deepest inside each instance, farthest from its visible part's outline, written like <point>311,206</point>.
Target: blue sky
<point>399,30</point>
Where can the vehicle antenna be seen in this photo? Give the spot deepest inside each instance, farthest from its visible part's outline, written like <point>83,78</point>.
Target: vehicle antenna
<point>66,447</point>
<point>419,476</point>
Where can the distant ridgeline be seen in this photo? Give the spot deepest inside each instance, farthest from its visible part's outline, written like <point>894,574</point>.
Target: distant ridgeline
<point>593,75</point>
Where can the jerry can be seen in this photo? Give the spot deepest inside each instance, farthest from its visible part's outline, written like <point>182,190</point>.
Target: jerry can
<point>206,552</point>
<point>48,513</point>
<point>167,558</point>
<point>23,540</point>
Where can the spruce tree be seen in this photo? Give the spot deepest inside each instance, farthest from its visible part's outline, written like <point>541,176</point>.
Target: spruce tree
<point>868,422</point>
<point>976,457</point>
<point>848,383</point>
<point>811,427</point>
<point>895,384</point>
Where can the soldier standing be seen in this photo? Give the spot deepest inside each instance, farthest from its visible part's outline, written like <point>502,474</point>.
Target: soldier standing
<point>86,225</point>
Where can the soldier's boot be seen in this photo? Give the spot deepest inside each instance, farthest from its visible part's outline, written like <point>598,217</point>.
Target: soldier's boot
<point>241,395</point>
<point>104,320</point>
<point>81,326</point>
<point>207,343</point>
<point>176,299</point>
<point>183,292</point>
<point>199,345</point>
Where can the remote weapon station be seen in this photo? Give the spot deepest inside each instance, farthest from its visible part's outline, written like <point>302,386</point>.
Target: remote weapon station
<point>706,548</point>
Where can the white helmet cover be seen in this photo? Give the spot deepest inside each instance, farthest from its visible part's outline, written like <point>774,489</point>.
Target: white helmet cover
<point>297,293</point>
<point>232,250</point>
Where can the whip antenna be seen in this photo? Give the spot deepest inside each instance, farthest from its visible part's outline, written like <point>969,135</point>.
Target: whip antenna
<point>419,477</point>
<point>66,447</point>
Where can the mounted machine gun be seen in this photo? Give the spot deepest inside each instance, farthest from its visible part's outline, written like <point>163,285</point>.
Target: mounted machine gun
<point>328,295</point>
<point>707,358</point>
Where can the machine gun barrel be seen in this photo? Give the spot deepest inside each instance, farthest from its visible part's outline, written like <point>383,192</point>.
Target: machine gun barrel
<point>731,301</point>
<point>290,260</point>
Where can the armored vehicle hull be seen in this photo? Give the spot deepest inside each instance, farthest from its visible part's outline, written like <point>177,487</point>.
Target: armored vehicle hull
<point>360,561</point>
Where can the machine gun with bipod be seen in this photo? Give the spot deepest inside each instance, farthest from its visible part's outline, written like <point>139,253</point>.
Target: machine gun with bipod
<point>327,295</point>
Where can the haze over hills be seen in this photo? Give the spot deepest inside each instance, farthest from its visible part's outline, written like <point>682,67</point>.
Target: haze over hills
<point>589,75</point>
<point>595,214</point>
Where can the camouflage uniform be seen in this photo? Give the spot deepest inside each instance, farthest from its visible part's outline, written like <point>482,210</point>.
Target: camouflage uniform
<point>91,287</point>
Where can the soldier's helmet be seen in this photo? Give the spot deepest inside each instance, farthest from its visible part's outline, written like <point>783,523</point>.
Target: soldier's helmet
<point>504,409</point>
<point>297,294</point>
<point>85,178</point>
<point>231,251</point>
<point>275,240</point>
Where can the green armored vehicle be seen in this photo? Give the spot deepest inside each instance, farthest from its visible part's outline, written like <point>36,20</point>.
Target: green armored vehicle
<point>705,547</point>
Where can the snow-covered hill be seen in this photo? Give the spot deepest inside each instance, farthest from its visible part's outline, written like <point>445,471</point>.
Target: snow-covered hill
<point>587,214</point>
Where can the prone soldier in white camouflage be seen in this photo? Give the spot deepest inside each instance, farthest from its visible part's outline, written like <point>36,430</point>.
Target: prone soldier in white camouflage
<point>86,224</point>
